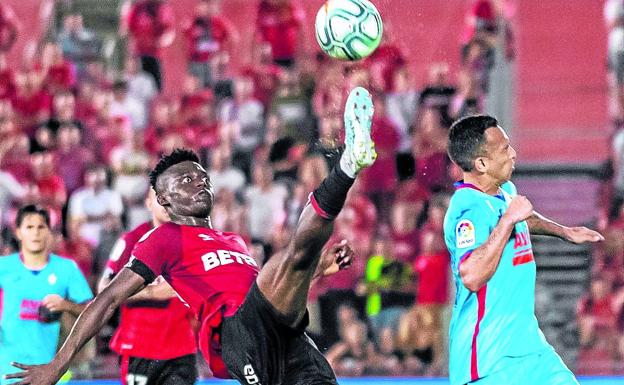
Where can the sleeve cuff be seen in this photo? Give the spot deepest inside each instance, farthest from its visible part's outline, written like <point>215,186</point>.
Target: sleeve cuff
<point>141,269</point>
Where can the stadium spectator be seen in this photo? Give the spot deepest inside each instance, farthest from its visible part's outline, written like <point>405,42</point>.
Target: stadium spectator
<point>125,105</point>
<point>292,109</point>
<point>77,249</point>
<point>596,317</point>
<point>351,355</point>
<point>31,103</point>
<point>50,185</point>
<point>130,163</point>
<point>160,125</point>
<point>380,180</point>
<point>78,44</point>
<point>63,113</point>
<point>388,289</point>
<point>468,100</point>
<point>208,35</point>
<point>60,73</point>
<point>404,233</point>
<point>438,92</point>
<point>383,63</point>
<point>243,116</point>
<point>150,25</point>
<point>9,27</point>
<point>222,174</point>
<point>429,151</point>
<point>614,20</point>
<point>37,287</point>
<point>72,157</point>
<point>401,103</point>
<point>141,85</point>
<point>266,206</point>
<point>7,79</point>
<point>95,207</point>
<point>264,73</point>
<point>280,23</point>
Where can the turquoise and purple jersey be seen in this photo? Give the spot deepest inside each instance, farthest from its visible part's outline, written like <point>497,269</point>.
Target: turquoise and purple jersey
<point>24,336</point>
<point>497,323</point>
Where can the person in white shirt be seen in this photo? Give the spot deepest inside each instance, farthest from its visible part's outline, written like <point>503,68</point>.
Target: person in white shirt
<point>94,206</point>
<point>141,85</point>
<point>123,104</point>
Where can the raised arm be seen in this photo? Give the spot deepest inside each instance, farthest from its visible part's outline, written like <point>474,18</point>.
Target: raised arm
<point>479,266</point>
<point>92,319</point>
<point>540,225</point>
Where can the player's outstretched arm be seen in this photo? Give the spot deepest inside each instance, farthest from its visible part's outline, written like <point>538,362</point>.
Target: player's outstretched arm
<point>96,314</point>
<point>477,269</point>
<point>540,225</point>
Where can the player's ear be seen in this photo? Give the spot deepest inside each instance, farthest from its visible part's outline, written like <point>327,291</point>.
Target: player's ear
<point>480,164</point>
<point>162,200</point>
<point>18,234</point>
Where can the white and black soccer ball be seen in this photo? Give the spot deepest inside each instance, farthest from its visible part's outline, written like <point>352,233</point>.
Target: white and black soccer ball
<point>348,29</point>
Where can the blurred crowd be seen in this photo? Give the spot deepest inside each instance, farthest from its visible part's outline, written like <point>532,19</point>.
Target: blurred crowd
<point>79,138</point>
<point>600,312</point>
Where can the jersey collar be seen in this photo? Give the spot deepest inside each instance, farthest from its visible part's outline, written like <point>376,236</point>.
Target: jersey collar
<point>461,184</point>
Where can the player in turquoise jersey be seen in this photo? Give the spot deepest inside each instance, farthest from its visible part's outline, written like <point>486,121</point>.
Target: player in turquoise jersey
<point>494,335</point>
<point>35,288</point>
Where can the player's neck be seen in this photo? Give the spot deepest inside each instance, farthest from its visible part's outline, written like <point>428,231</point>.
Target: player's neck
<point>483,183</point>
<point>191,221</point>
<point>34,260</point>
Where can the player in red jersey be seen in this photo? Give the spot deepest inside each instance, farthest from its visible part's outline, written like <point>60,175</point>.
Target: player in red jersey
<point>252,322</point>
<point>155,338</point>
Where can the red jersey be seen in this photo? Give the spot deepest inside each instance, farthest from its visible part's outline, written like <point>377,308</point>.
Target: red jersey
<point>433,281</point>
<point>7,84</point>
<point>148,20</point>
<point>211,270</point>
<point>157,330</point>
<point>205,37</point>
<point>279,26</point>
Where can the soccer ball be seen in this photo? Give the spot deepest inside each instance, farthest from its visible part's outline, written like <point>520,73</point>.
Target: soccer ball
<point>348,29</point>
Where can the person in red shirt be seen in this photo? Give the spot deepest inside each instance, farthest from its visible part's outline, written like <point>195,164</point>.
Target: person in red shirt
<point>252,322</point>
<point>155,338</point>
<point>280,24</point>
<point>60,73</point>
<point>8,27</point>
<point>7,79</point>
<point>209,37</point>
<point>31,102</point>
<point>150,25</point>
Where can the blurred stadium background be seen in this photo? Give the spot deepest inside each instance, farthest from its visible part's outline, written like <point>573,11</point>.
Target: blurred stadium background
<point>74,103</point>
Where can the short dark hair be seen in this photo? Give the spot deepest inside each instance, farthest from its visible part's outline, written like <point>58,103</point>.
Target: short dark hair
<point>466,139</point>
<point>178,155</point>
<point>120,85</point>
<point>31,209</point>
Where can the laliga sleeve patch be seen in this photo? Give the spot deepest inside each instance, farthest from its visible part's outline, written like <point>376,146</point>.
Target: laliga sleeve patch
<point>464,234</point>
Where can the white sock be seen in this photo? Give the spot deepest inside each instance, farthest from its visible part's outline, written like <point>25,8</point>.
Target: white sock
<point>346,165</point>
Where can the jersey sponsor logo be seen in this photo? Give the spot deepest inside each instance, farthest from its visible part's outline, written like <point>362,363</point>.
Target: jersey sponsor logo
<point>465,234</point>
<point>225,257</point>
<point>206,237</point>
<point>521,239</point>
<point>136,379</point>
<point>52,278</point>
<point>29,310</point>
<point>250,375</point>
